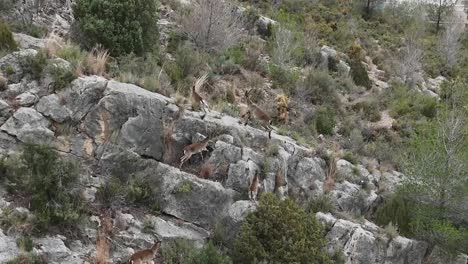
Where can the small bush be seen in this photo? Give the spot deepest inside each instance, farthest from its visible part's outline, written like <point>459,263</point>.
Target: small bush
<point>35,65</point>
<point>178,251</point>
<point>370,110</point>
<point>184,187</point>
<point>51,184</point>
<point>111,193</point>
<point>121,27</point>
<point>395,210</point>
<point>283,78</point>
<point>321,203</point>
<point>279,232</point>
<point>25,244</point>
<point>359,73</point>
<point>391,230</point>
<point>27,259</point>
<point>61,77</point>
<point>7,42</point>
<point>140,191</point>
<point>351,157</point>
<point>325,121</point>
<point>209,254</point>
<point>319,87</point>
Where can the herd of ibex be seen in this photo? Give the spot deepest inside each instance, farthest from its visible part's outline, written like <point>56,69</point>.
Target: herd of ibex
<point>253,112</point>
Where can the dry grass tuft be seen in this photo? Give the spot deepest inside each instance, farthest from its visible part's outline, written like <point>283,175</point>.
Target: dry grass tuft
<point>52,45</point>
<point>206,171</point>
<point>95,62</point>
<point>329,183</point>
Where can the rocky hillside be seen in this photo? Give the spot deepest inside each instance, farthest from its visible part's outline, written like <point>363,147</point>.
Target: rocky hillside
<point>116,126</point>
<point>126,140</point>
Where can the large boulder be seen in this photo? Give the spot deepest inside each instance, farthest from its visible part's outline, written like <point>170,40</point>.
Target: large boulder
<point>131,117</point>
<point>51,106</point>
<point>27,124</point>
<point>13,64</point>
<point>368,244</point>
<point>27,42</point>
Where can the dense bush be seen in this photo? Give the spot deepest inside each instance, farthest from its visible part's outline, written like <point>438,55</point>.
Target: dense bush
<point>61,76</point>
<point>180,251</point>
<point>121,26</point>
<point>359,73</point>
<point>395,210</point>
<point>50,183</point>
<point>35,65</point>
<point>370,110</point>
<point>279,232</point>
<point>6,38</point>
<point>283,78</point>
<point>319,87</point>
<point>325,121</point>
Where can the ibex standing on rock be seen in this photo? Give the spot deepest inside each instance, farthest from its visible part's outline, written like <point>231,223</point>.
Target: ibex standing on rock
<point>253,189</point>
<point>198,103</point>
<point>146,256</point>
<point>194,149</point>
<point>259,114</point>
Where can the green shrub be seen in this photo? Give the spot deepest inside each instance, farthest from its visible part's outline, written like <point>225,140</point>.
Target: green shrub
<point>321,203</point>
<point>279,232</point>
<point>209,254</point>
<point>395,210</point>
<point>35,65</point>
<point>50,182</point>
<point>111,193</point>
<point>319,87</point>
<point>283,78</point>
<point>325,121</point>
<point>7,42</point>
<point>61,76</point>
<point>370,110</point>
<point>27,259</point>
<point>178,251</point>
<point>140,191</point>
<point>121,26</point>
<point>25,243</point>
<point>359,73</point>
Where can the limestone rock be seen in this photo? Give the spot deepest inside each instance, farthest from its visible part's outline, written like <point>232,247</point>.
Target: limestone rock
<point>27,42</point>
<point>12,64</point>
<point>26,99</point>
<point>51,106</point>
<point>27,124</point>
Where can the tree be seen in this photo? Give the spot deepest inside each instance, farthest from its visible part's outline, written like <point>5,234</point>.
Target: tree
<point>437,173</point>
<point>284,45</point>
<point>438,9</point>
<point>409,64</point>
<point>449,42</point>
<point>280,232</point>
<point>122,26</point>
<point>213,25</point>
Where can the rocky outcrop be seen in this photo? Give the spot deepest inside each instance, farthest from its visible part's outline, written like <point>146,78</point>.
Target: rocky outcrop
<point>367,243</point>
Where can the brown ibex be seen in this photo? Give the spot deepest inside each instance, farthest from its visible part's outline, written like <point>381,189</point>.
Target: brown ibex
<point>253,189</point>
<point>257,113</point>
<point>198,103</point>
<point>194,149</point>
<point>146,256</point>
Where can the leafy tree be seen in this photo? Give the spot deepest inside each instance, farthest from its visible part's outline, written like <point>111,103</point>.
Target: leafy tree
<point>280,232</point>
<point>438,9</point>
<point>122,26</point>
<point>436,170</point>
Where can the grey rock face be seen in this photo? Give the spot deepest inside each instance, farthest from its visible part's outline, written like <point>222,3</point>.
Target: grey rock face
<point>27,124</point>
<point>5,111</point>
<point>131,117</point>
<point>8,248</point>
<point>12,64</point>
<point>27,42</point>
<point>366,244</point>
<point>51,106</point>
<point>26,99</point>
<point>232,222</point>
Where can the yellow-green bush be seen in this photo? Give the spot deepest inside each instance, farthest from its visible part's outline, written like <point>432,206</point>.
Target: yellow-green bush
<point>6,38</point>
